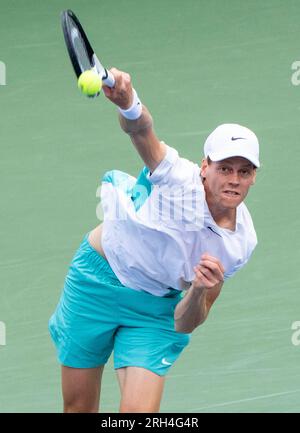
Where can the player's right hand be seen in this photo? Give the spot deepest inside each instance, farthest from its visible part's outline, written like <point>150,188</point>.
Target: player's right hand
<point>122,93</point>
<point>208,273</point>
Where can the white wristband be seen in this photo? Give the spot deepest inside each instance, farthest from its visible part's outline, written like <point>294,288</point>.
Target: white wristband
<point>135,110</point>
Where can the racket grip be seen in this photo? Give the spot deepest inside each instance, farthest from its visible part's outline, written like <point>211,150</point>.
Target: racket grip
<point>109,80</point>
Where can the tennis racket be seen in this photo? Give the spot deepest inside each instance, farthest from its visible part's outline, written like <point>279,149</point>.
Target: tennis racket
<point>80,50</point>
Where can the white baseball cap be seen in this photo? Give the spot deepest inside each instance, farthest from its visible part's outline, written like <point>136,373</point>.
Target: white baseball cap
<point>230,140</point>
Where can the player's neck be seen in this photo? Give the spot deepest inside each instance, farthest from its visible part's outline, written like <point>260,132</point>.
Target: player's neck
<point>223,217</point>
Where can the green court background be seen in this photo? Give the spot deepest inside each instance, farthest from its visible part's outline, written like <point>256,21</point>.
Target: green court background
<point>195,64</point>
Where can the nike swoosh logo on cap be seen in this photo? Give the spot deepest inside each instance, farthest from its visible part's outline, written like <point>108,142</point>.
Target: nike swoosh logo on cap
<point>238,138</point>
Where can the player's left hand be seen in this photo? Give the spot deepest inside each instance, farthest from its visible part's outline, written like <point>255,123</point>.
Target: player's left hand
<point>208,273</point>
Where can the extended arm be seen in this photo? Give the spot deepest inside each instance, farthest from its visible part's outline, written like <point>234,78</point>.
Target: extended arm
<point>193,309</point>
<point>141,132</point>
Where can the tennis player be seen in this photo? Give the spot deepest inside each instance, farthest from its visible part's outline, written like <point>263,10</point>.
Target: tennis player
<point>178,228</point>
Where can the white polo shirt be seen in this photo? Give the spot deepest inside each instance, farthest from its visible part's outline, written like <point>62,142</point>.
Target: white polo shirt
<point>157,227</point>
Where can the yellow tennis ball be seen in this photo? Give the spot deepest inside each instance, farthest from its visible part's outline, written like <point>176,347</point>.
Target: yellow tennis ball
<point>89,83</point>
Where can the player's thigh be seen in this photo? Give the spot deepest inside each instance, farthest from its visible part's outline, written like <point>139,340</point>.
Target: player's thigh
<point>121,373</point>
<point>141,389</point>
<point>81,388</point>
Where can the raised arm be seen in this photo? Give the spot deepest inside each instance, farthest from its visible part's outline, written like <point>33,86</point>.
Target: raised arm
<point>140,130</point>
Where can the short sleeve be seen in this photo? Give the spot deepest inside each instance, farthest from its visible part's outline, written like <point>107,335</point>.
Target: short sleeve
<point>239,266</point>
<point>173,170</point>
<point>234,270</point>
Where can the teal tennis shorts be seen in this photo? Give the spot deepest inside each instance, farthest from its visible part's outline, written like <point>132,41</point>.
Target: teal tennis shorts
<point>96,315</point>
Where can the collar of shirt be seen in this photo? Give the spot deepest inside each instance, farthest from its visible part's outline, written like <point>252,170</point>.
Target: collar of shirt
<point>212,225</point>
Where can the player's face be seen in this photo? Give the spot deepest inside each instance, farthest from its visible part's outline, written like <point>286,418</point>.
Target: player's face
<point>227,182</point>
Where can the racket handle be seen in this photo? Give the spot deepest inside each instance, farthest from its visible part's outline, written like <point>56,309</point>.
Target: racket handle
<point>109,80</point>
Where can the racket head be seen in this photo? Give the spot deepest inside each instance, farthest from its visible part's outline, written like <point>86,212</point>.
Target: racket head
<point>79,48</point>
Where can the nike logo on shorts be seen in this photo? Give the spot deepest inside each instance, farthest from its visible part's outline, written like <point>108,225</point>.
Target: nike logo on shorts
<point>165,362</point>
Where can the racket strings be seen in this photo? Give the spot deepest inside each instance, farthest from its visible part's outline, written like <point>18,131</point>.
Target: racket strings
<point>79,46</point>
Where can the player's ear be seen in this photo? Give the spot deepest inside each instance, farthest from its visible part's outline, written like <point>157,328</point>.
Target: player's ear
<point>253,178</point>
<point>203,168</point>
